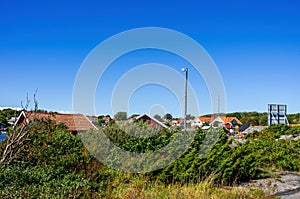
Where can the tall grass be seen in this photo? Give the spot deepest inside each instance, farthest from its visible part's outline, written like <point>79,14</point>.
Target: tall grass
<point>143,189</point>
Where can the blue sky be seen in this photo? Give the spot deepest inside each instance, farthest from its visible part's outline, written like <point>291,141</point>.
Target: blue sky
<point>255,44</point>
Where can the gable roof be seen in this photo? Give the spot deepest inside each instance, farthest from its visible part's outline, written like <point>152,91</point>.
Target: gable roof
<point>229,119</point>
<point>152,118</point>
<point>74,122</point>
<point>244,127</point>
<point>254,128</point>
<point>206,118</point>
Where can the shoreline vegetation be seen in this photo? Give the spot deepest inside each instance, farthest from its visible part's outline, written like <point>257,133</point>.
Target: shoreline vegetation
<point>50,162</point>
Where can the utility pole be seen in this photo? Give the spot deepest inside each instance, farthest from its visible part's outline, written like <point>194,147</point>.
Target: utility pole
<point>185,96</point>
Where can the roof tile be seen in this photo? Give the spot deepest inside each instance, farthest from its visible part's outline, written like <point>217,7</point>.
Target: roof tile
<point>74,122</point>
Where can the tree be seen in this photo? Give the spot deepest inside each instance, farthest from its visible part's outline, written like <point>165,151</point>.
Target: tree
<point>100,120</point>
<point>17,139</point>
<point>217,124</point>
<point>6,114</point>
<point>156,116</point>
<point>190,117</point>
<point>206,124</point>
<point>263,120</point>
<point>120,116</point>
<point>3,119</point>
<point>250,120</point>
<point>168,116</point>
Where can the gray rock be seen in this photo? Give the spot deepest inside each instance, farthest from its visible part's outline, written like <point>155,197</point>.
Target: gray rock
<point>287,186</point>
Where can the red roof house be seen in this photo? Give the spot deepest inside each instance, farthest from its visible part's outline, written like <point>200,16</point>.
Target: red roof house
<point>206,119</point>
<point>227,122</point>
<point>151,121</point>
<point>74,122</point>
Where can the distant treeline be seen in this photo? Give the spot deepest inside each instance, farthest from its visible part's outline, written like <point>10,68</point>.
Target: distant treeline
<point>6,114</point>
<point>260,119</point>
<point>254,118</point>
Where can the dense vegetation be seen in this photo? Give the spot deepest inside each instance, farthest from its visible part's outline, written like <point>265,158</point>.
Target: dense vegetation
<point>256,118</point>
<point>294,118</point>
<point>6,114</point>
<point>53,162</point>
<point>253,118</point>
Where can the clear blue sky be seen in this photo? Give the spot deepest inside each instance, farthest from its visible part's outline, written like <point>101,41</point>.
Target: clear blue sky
<point>255,44</point>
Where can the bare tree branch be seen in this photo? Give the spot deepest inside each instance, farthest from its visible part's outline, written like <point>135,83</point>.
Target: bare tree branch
<point>25,107</point>
<point>36,103</point>
<point>16,141</point>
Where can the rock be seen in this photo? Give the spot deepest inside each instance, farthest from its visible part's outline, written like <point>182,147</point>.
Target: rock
<point>290,137</point>
<point>287,186</point>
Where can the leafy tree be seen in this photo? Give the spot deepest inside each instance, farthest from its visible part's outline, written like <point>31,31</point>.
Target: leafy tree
<point>263,119</point>
<point>227,165</point>
<point>158,117</point>
<point>168,116</point>
<point>6,114</point>
<point>120,116</point>
<point>3,119</point>
<point>51,163</point>
<point>294,118</point>
<point>217,124</point>
<point>100,120</point>
<point>250,120</point>
<point>206,124</point>
<point>190,117</point>
<point>254,118</point>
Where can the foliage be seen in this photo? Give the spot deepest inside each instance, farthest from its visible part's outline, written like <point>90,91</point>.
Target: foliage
<point>294,118</point>
<point>100,120</point>
<point>129,136</point>
<point>6,114</point>
<point>253,118</point>
<point>3,119</point>
<point>120,116</point>
<point>142,187</point>
<point>272,132</point>
<point>168,116</point>
<point>54,163</point>
<point>226,165</point>
<point>261,119</point>
<point>158,117</point>
<point>190,117</point>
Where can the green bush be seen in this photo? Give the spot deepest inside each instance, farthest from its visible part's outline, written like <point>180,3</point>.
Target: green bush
<point>54,163</point>
<point>225,165</point>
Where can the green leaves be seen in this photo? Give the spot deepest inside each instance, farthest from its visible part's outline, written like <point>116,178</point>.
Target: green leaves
<point>225,165</point>
<point>60,166</point>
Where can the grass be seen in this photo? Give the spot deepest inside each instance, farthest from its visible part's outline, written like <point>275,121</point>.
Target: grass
<point>142,189</point>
